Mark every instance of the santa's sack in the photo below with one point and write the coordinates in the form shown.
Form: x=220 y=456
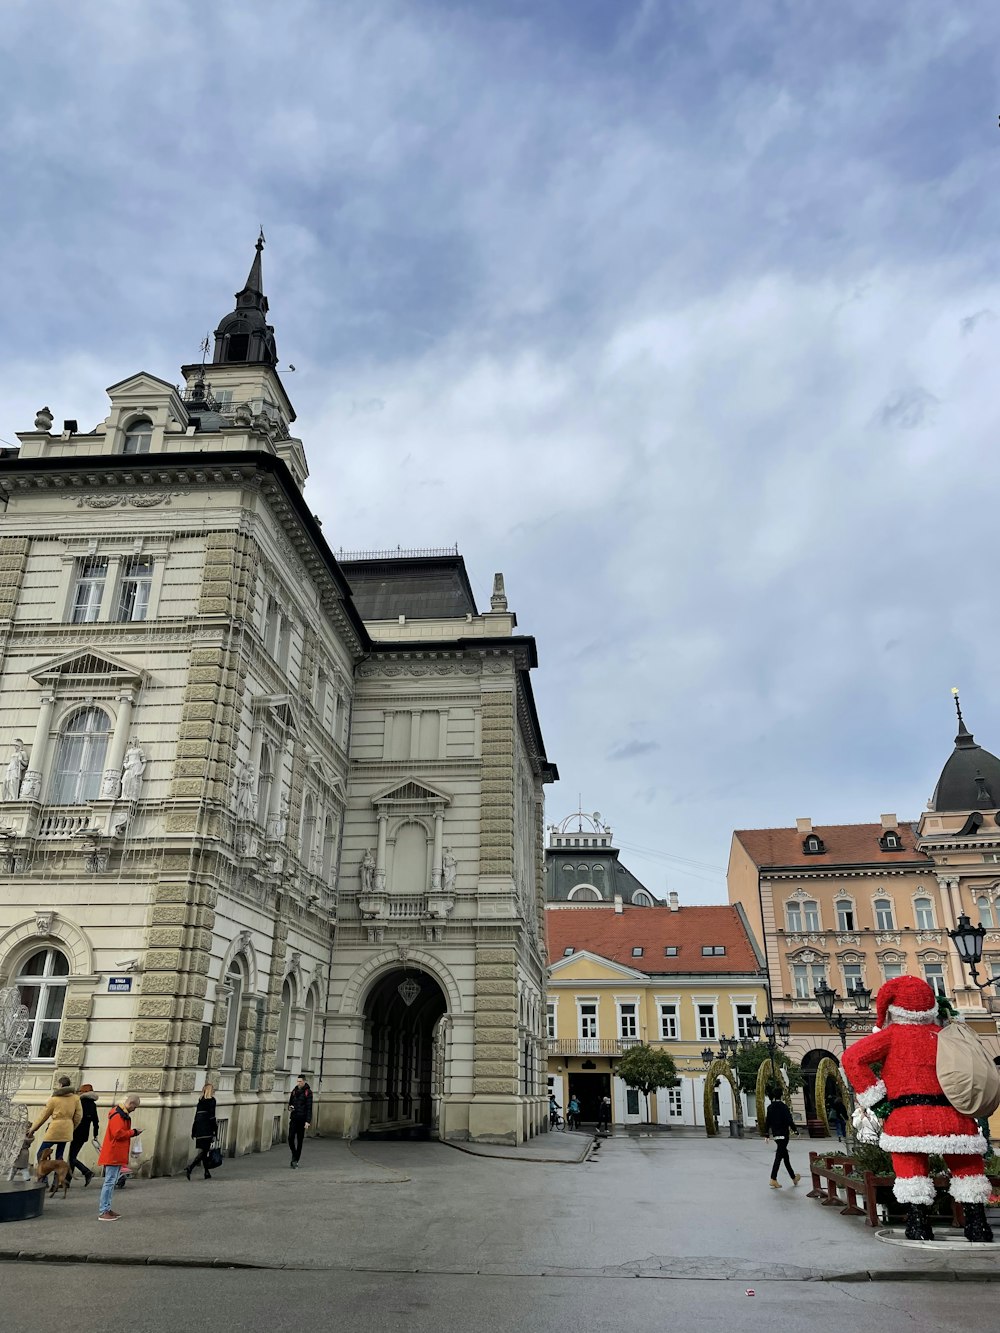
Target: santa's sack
x=968 y=1077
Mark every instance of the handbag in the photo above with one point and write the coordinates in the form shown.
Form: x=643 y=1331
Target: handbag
x=214 y=1157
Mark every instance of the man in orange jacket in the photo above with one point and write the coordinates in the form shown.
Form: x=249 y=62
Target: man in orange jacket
x=114 y=1153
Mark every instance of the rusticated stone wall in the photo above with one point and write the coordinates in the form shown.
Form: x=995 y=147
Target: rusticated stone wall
x=496 y=843
x=495 y=1024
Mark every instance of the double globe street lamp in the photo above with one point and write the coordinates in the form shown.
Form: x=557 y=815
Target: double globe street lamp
x=828 y=999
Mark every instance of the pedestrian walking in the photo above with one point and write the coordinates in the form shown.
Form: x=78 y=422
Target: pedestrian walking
x=573 y=1112
x=604 y=1113
x=118 y=1137
x=779 y=1125
x=63 y=1113
x=300 y=1113
x=88 y=1128
x=838 y=1118
x=203 y=1129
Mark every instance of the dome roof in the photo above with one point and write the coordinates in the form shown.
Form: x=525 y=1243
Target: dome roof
x=970 y=780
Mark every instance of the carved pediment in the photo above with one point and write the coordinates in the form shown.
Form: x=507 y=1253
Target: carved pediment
x=88 y=664
x=279 y=708
x=411 y=792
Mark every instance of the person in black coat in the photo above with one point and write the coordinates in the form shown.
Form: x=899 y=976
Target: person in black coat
x=779 y=1125
x=88 y=1128
x=300 y=1114
x=203 y=1129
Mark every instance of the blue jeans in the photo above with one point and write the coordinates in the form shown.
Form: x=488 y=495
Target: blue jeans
x=111 y=1174
x=60 y=1149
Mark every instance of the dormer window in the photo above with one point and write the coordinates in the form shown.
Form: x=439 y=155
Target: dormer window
x=138 y=436
x=713 y=951
x=567 y=951
x=670 y=951
x=813 y=846
x=890 y=842
x=637 y=951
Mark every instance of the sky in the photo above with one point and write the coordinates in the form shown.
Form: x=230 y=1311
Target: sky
x=681 y=313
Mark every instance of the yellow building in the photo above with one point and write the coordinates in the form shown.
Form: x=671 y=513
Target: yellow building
x=678 y=978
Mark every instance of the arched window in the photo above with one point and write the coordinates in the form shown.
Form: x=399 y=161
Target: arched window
x=264 y=784
x=236 y=985
x=793 y=915
x=924 y=910
x=138 y=436
x=985 y=911
x=79 y=765
x=308 y=1030
x=883 y=914
x=810 y=912
x=845 y=914
x=308 y=829
x=284 y=1020
x=641 y=899
x=584 y=891
x=329 y=847
x=41 y=984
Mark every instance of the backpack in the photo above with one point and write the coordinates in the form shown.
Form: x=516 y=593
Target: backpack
x=968 y=1077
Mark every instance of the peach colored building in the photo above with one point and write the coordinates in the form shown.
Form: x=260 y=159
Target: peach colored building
x=857 y=904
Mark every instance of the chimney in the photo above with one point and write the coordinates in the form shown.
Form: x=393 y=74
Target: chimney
x=804 y=825
x=673 y=900
x=890 y=821
x=618 y=903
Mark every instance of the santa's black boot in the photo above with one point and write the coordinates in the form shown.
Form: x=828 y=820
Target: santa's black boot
x=918 y=1226
x=976 y=1225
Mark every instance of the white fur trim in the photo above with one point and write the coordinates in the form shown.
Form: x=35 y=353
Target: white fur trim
x=970 y=1189
x=914 y=1189
x=872 y=1096
x=900 y=1015
x=959 y=1144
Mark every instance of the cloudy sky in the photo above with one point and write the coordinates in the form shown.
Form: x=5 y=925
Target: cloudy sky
x=682 y=313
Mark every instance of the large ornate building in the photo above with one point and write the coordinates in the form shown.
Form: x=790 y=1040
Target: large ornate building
x=861 y=903
x=263 y=812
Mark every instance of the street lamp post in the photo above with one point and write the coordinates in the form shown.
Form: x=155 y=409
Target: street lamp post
x=968 y=940
x=827 y=998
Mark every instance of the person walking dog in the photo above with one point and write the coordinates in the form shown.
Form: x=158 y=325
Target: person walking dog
x=300 y=1112
x=203 y=1129
x=63 y=1113
x=88 y=1128
x=113 y=1157
x=779 y=1125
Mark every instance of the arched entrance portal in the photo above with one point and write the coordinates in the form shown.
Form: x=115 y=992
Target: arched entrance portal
x=810 y=1063
x=403 y=1056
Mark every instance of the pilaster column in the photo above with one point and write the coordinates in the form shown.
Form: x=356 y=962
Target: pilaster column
x=437 y=864
x=415 y=734
x=951 y=903
x=31 y=787
x=390 y=718
x=111 y=787
x=383 y=831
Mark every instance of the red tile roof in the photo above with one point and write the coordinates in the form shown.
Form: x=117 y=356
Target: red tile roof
x=846 y=844
x=613 y=935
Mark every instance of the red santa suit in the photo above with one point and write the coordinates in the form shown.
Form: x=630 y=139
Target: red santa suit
x=921 y=1120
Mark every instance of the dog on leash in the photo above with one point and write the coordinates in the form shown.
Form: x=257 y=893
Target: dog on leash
x=47 y=1165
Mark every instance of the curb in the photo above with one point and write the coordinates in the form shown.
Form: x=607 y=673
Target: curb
x=521 y=1157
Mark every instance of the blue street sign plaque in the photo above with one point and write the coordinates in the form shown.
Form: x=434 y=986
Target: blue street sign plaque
x=120 y=984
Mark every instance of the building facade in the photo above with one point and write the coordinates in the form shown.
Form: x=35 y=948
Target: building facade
x=862 y=903
x=256 y=822
x=679 y=978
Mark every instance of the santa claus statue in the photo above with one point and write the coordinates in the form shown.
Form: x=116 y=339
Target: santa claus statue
x=920 y=1119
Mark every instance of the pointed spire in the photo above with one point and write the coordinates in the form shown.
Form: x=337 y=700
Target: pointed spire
x=255 y=278
x=964 y=737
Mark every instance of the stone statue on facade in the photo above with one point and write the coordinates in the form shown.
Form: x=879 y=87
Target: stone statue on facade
x=15 y=772
x=246 y=797
x=367 y=871
x=132 y=771
x=449 y=871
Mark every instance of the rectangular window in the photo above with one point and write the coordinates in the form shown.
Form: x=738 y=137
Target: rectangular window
x=845 y=916
x=675 y=1104
x=588 y=1020
x=794 y=917
x=811 y=913
x=628 y=1021
x=892 y=970
x=88 y=591
x=550 y=1020
x=924 y=913
x=668 y=1022
x=713 y=951
x=203 y=1043
x=934 y=976
x=631 y=1101
x=706 y=1022
x=134 y=589
x=637 y=951
x=805 y=979
x=883 y=914
x=744 y=1013
x=670 y=951
x=852 y=977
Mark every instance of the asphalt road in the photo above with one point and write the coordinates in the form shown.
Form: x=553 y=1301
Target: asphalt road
x=41 y=1298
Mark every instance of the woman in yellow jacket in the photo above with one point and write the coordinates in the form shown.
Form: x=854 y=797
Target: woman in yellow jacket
x=63 y=1112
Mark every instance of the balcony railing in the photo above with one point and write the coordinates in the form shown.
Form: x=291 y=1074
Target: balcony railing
x=591 y=1045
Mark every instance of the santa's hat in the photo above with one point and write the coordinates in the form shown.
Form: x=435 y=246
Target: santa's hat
x=906 y=1000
